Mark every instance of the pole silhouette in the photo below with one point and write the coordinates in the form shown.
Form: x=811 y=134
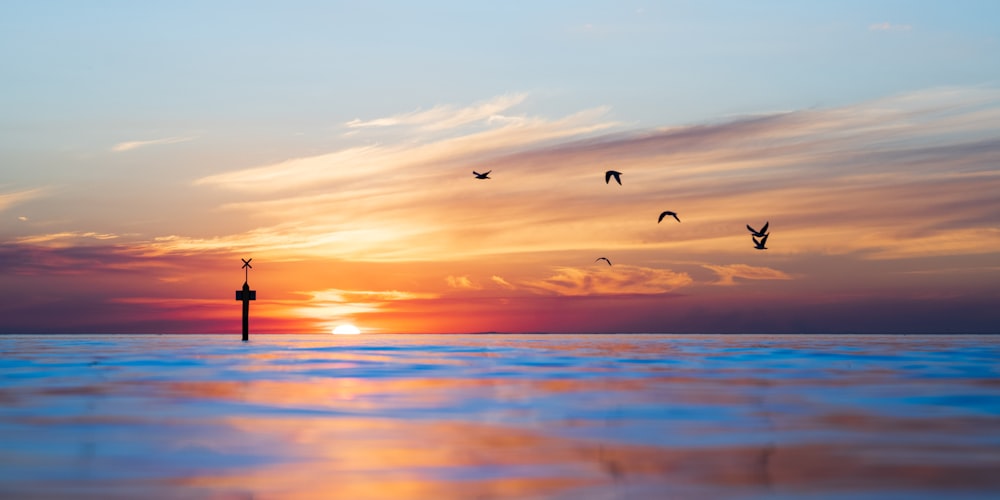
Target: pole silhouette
x=246 y=295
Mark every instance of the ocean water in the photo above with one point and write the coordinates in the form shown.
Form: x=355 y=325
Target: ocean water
x=500 y=416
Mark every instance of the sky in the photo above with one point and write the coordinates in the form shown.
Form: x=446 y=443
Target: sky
x=146 y=147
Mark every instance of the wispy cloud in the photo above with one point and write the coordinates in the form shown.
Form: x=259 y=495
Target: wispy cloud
x=945 y=242
x=461 y=282
x=130 y=145
x=445 y=116
x=620 y=280
x=728 y=273
x=887 y=26
x=46 y=256
x=371 y=169
x=10 y=199
x=502 y=282
x=69 y=238
x=378 y=170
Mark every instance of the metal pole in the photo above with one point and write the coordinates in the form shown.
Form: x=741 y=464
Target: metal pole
x=246 y=295
x=246 y=312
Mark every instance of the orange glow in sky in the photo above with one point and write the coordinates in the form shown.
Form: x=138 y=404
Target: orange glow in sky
x=128 y=209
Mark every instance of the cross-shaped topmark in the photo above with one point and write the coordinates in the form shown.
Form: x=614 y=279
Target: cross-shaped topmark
x=247 y=267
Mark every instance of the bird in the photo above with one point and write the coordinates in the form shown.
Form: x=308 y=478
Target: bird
x=613 y=173
x=759 y=245
x=762 y=232
x=668 y=212
x=485 y=175
x=605 y=259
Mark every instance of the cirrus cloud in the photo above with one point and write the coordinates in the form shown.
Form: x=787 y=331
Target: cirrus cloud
x=728 y=273
x=443 y=117
x=8 y=200
x=462 y=282
x=130 y=145
x=619 y=280
x=502 y=282
x=887 y=26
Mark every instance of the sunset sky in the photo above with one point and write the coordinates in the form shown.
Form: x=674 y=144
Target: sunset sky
x=146 y=147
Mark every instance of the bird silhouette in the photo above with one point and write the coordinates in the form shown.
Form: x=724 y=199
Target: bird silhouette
x=605 y=259
x=762 y=232
x=759 y=245
x=613 y=173
x=483 y=175
x=666 y=213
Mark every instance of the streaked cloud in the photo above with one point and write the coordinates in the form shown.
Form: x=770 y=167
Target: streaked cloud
x=618 y=280
x=443 y=117
x=728 y=273
x=10 y=199
x=130 y=145
x=461 y=282
x=887 y=26
x=72 y=256
x=502 y=282
x=968 y=241
x=65 y=237
x=371 y=170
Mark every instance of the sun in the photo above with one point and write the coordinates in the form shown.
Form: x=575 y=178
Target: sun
x=346 y=330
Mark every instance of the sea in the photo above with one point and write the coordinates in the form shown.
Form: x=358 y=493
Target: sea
x=495 y=416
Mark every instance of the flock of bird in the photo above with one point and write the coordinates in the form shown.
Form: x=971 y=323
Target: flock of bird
x=762 y=234
x=617 y=176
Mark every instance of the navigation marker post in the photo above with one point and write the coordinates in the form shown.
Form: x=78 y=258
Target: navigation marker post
x=246 y=295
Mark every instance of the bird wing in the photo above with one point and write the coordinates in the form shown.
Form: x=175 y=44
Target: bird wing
x=664 y=214
x=764 y=229
x=755 y=242
x=607 y=177
x=752 y=230
x=676 y=217
x=763 y=241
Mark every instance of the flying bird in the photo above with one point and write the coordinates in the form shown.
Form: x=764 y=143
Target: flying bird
x=759 y=245
x=668 y=212
x=482 y=176
x=613 y=173
x=762 y=232
x=605 y=259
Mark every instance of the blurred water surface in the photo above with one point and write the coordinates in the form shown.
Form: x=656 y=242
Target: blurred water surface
x=500 y=416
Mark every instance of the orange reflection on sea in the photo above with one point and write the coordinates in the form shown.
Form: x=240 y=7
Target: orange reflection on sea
x=392 y=458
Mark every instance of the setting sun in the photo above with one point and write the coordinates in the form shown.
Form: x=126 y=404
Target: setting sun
x=346 y=330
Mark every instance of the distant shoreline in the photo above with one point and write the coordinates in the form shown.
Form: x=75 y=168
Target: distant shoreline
x=319 y=334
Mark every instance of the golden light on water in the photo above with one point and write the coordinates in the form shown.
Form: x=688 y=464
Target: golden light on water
x=346 y=330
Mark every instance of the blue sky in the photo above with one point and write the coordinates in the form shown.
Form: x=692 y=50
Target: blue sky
x=302 y=66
